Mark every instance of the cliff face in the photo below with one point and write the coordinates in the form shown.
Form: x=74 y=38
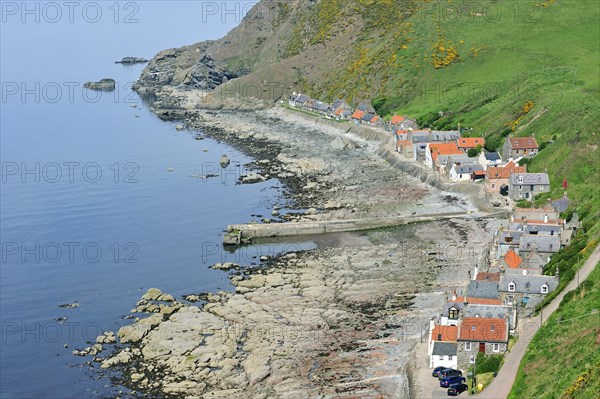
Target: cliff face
x=255 y=43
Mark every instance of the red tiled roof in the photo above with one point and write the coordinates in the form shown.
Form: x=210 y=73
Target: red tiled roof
x=503 y=172
x=358 y=114
x=483 y=329
x=339 y=111
x=488 y=276
x=522 y=143
x=443 y=149
x=444 y=333
x=397 y=119
x=374 y=119
x=479 y=301
x=512 y=259
x=470 y=142
x=479 y=172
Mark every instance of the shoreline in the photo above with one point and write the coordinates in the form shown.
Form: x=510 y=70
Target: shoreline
x=367 y=303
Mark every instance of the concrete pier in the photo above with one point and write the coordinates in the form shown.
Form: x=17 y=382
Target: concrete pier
x=255 y=230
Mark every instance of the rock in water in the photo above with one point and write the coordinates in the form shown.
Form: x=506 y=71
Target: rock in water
x=224 y=161
x=132 y=60
x=106 y=84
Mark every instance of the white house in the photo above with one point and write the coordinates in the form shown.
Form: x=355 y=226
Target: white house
x=465 y=172
x=444 y=354
x=489 y=159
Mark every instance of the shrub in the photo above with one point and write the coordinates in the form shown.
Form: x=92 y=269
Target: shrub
x=488 y=364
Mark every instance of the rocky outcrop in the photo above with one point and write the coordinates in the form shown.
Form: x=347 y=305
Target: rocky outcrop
x=106 y=84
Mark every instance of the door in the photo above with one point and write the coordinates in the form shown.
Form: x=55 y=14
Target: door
x=482 y=347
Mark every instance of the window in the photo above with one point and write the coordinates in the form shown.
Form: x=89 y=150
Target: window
x=510 y=300
x=453 y=313
x=512 y=286
x=448 y=357
x=544 y=289
x=472 y=359
x=473 y=327
x=496 y=347
x=493 y=327
x=467 y=346
x=520 y=179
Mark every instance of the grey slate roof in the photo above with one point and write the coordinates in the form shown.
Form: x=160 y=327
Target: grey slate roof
x=516 y=236
x=457 y=305
x=541 y=243
x=444 y=348
x=561 y=204
x=486 y=311
x=529 y=284
x=492 y=156
x=367 y=117
x=464 y=169
x=301 y=98
x=527 y=228
x=482 y=289
x=445 y=135
x=530 y=178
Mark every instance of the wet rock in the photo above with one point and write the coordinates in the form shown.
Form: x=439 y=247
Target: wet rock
x=108 y=337
x=106 y=84
x=225 y=266
x=69 y=305
x=224 y=161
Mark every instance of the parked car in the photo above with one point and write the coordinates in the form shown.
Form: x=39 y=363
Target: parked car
x=436 y=370
x=457 y=390
x=452 y=381
x=448 y=373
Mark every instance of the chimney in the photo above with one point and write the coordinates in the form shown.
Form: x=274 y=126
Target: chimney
x=512 y=218
x=556 y=273
x=546 y=218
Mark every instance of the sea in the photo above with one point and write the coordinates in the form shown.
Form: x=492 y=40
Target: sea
x=100 y=200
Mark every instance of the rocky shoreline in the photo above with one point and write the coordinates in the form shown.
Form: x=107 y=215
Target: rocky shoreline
x=339 y=321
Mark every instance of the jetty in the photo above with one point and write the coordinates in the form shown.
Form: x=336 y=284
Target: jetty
x=263 y=230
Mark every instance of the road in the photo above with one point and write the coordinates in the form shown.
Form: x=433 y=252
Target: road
x=502 y=384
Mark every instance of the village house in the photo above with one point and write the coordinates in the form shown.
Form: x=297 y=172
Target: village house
x=444 y=354
x=492 y=312
x=497 y=177
x=482 y=290
x=477 y=334
x=298 y=100
x=526 y=290
x=466 y=172
x=540 y=243
x=527 y=185
x=515 y=147
x=433 y=150
x=396 y=120
x=547 y=214
x=466 y=143
x=451 y=312
x=490 y=159
x=357 y=116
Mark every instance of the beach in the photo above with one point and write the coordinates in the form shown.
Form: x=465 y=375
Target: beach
x=338 y=321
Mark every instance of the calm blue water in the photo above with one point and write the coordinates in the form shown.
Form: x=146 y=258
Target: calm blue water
x=97 y=199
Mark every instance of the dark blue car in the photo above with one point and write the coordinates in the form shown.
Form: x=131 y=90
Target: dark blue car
x=452 y=381
x=436 y=370
x=457 y=390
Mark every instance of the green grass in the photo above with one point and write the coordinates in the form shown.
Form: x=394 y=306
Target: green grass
x=561 y=353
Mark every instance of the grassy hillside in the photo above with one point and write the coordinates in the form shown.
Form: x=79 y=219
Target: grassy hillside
x=563 y=360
